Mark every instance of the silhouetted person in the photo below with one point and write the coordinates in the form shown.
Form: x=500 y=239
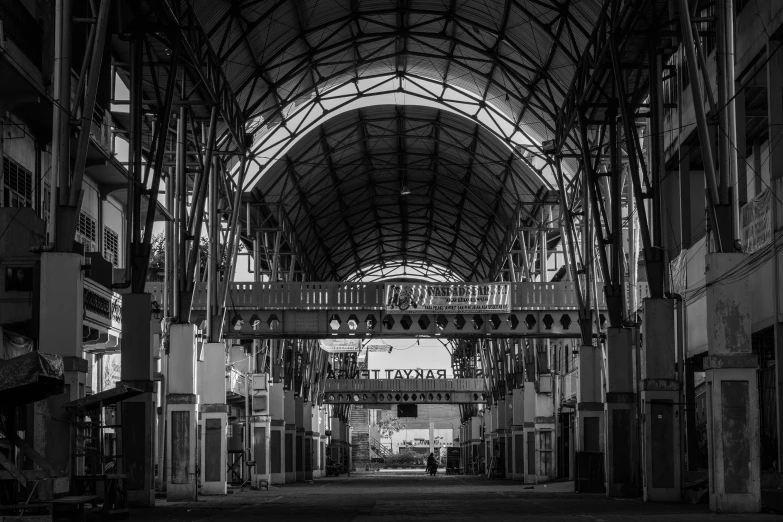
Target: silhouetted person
x=432 y=465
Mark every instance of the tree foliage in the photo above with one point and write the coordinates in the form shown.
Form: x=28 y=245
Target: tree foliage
x=157 y=266
x=388 y=427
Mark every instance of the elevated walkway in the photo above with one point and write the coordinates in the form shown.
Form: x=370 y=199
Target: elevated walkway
x=404 y=391
x=320 y=310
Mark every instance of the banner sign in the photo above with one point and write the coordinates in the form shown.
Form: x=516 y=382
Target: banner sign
x=389 y=374
x=757 y=222
x=678 y=272
x=459 y=298
x=340 y=345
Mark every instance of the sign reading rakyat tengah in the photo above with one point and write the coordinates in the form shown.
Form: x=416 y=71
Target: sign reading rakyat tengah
x=340 y=345
x=462 y=298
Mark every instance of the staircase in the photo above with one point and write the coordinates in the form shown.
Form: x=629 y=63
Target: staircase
x=360 y=437
x=379 y=449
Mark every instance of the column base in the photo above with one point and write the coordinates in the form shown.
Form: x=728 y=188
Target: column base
x=546 y=470
x=308 y=459
x=620 y=460
x=661 y=446
x=290 y=454
x=137 y=443
x=529 y=440
x=300 y=456
x=517 y=449
x=277 y=452
x=181 y=441
x=589 y=438
x=260 y=433
x=733 y=434
x=213 y=449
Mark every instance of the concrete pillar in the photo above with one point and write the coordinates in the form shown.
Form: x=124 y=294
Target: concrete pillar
x=300 y=439
x=309 y=449
x=137 y=415
x=732 y=393
x=529 y=431
x=517 y=448
x=660 y=394
x=260 y=427
x=545 y=462
x=182 y=415
x=289 y=413
x=60 y=333
x=432 y=436
x=317 y=430
x=621 y=462
x=276 y=433
x=347 y=438
x=214 y=420
x=335 y=450
x=589 y=401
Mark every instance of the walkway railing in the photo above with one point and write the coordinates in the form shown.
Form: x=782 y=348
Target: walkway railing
x=364 y=296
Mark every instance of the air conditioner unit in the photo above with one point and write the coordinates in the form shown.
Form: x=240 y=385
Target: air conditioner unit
x=545 y=383
x=260 y=403
x=260 y=396
x=261 y=381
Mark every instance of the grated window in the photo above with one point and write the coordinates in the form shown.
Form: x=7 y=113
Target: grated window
x=18 y=184
x=85 y=232
x=111 y=242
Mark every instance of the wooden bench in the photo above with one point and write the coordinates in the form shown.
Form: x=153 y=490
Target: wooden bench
x=79 y=514
x=26 y=513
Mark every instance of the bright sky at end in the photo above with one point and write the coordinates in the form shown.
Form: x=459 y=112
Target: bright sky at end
x=429 y=354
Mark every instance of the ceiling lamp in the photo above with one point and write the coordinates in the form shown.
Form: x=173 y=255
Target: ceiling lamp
x=405 y=190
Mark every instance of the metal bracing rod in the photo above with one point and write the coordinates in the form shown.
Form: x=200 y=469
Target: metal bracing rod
x=213 y=233
x=85 y=61
x=657 y=164
x=233 y=242
x=615 y=202
x=134 y=167
x=589 y=172
x=651 y=256
x=729 y=156
x=198 y=202
x=181 y=224
x=64 y=132
x=159 y=144
x=698 y=104
x=170 y=247
x=566 y=218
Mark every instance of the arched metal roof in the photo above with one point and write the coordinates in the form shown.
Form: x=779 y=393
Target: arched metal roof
x=340 y=189
x=507 y=64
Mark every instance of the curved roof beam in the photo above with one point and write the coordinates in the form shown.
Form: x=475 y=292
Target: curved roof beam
x=340 y=185
x=506 y=63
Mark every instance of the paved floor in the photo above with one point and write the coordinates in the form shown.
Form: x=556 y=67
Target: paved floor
x=408 y=496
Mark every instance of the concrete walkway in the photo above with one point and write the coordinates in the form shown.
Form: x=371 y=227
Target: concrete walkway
x=413 y=496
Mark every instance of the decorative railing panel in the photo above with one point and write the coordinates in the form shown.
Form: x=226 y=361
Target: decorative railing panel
x=102 y=307
x=363 y=296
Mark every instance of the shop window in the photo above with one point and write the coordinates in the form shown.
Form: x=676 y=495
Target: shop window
x=17 y=184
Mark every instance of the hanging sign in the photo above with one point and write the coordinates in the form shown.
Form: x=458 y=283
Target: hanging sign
x=455 y=298
x=340 y=345
x=757 y=222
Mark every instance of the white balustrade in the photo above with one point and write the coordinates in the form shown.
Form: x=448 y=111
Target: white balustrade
x=365 y=296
